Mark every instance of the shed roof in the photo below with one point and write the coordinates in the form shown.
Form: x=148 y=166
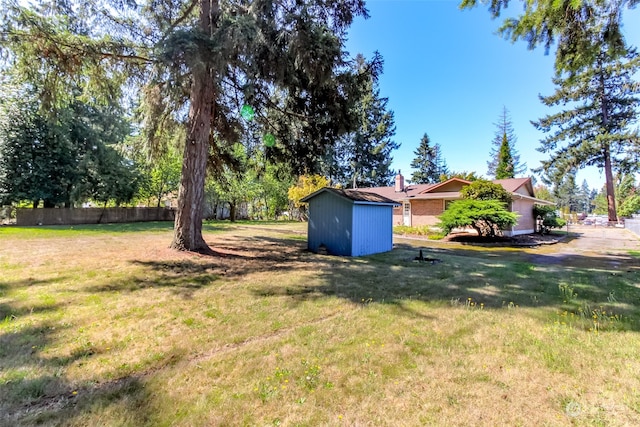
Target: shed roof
x=356 y=196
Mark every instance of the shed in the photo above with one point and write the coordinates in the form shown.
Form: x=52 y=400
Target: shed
x=349 y=222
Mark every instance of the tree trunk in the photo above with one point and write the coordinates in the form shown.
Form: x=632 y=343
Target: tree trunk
x=188 y=224
x=608 y=175
x=606 y=152
x=232 y=211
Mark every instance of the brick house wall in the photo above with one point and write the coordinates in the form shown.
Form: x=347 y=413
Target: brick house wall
x=397 y=215
x=425 y=212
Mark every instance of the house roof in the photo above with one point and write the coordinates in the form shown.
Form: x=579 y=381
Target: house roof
x=512 y=185
x=390 y=192
x=430 y=191
x=357 y=196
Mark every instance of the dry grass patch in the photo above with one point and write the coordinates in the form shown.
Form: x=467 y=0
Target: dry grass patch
x=112 y=328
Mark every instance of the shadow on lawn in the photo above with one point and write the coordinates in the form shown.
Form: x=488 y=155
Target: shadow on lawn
x=495 y=277
x=33 y=388
x=492 y=277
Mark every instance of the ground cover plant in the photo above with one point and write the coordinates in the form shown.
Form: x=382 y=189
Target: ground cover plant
x=428 y=231
x=104 y=325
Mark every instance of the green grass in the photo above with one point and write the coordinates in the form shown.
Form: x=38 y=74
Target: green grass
x=110 y=327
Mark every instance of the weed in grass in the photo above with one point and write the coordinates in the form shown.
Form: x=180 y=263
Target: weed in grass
x=311 y=376
x=471 y=304
x=567 y=292
x=598 y=319
x=511 y=305
x=267 y=391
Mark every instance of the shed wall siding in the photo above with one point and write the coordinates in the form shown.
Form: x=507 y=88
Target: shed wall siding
x=330 y=224
x=372 y=229
x=425 y=212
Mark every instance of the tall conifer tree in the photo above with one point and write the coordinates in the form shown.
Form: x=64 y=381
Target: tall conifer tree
x=595 y=129
x=429 y=163
x=201 y=62
x=504 y=159
x=362 y=158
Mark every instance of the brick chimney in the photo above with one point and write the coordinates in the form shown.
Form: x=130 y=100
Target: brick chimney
x=399 y=182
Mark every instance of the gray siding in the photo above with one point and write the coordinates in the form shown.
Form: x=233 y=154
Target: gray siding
x=372 y=229
x=330 y=224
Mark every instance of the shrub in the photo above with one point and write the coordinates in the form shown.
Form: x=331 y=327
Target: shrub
x=486 y=190
x=487 y=217
x=550 y=218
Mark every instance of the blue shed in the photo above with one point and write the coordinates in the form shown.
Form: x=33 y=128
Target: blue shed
x=349 y=222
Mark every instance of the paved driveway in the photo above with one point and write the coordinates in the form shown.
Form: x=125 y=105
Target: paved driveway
x=591 y=246
x=602 y=239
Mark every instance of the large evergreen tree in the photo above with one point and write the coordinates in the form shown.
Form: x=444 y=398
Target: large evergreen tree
x=429 y=164
x=362 y=158
x=595 y=128
x=201 y=62
x=504 y=159
x=563 y=24
x=61 y=159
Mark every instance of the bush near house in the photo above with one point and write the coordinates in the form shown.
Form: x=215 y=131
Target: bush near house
x=550 y=218
x=487 y=217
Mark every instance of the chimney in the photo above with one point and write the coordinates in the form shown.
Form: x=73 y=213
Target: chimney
x=399 y=182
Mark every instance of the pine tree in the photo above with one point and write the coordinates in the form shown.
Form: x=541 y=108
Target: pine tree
x=200 y=63
x=64 y=159
x=429 y=163
x=563 y=24
x=595 y=130
x=363 y=158
x=584 y=195
x=505 y=160
x=567 y=194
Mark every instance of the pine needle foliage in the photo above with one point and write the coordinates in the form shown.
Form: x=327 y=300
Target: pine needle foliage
x=504 y=159
x=196 y=63
x=595 y=128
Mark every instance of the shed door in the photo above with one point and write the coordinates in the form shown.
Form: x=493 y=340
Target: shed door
x=406 y=214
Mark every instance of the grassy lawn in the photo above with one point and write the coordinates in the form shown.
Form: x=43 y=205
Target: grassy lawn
x=104 y=325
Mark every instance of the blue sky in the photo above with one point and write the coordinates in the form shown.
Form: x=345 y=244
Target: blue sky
x=448 y=74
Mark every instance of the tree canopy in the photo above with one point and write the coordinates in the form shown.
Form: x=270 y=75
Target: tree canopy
x=504 y=159
x=487 y=217
x=198 y=64
x=63 y=157
x=486 y=190
x=429 y=163
x=595 y=129
x=563 y=24
x=362 y=158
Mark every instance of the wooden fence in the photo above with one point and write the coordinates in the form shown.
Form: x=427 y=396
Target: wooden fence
x=27 y=217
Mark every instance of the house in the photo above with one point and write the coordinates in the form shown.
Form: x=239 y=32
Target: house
x=421 y=204
x=341 y=222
